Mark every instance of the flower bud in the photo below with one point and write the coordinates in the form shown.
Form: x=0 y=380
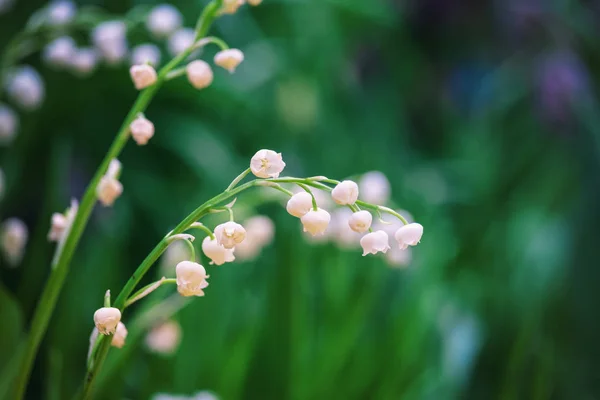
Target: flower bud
x=360 y=221
x=26 y=88
x=339 y=231
x=143 y=76
x=199 y=74
x=216 y=252
x=191 y=278
x=163 y=20
x=145 y=54
x=142 y=130
x=84 y=61
x=110 y=41
x=118 y=339
x=60 y=12
x=374 y=188
x=267 y=164
x=14 y=240
x=9 y=123
x=230 y=234
x=374 y=242
x=345 y=193
x=180 y=41
x=229 y=59
x=108 y=190
x=299 y=204
x=61 y=223
x=60 y=52
x=106 y=320
x=409 y=235
x=164 y=338
x=316 y=222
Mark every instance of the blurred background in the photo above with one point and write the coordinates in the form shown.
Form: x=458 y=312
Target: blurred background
x=484 y=117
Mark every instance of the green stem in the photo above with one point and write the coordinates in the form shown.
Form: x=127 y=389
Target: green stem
x=61 y=265
x=146 y=290
x=237 y=180
x=202 y=227
x=107 y=299
x=314 y=201
x=211 y=39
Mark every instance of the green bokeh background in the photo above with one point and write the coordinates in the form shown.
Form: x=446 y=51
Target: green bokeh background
x=450 y=99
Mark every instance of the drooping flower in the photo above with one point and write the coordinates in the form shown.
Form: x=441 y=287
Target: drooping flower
x=339 y=231
x=118 y=339
x=259 y=233
x=143 y=76
x=14 y=240
x=315 y=222
x=163 y=20
x=60 y=12
x=299 y=204
x=109 y=188
x=267 y=164
x=61 y=223
x=146 y=53
x=60 y=52
x=345 y=193
x=216 y=252
x=106 y=320
x=199 y=74
x=360 y=221
x=229 y=59
x=409 y=235
x=180 y=41
x=375 y=242
x=141 y=130
x=191 y=278
x=230 y=234
x=164 y=338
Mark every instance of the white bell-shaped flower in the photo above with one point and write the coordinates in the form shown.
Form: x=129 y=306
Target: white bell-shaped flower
x=108 y=190
x=118 y=339
x=9 y=124
x=216 y=252
x=163 y=20
x=259 y=233
x=345 y=193
x=191 y=278
x=267 y=164
x=164 y=338
x=60 y=52
x=180 y=41
x=84 y=61
x=141 y=130
x=25 y=87
x=375 y=242
x=60 y=12
x=146 y=53
x=106 y=320
x=360 y=221
x=14 y=239
x=299 y=204
x=374 y=188
x=229 y=59
x=315 y=222
x=409 y=235
x=230 y=234
x=110 y=41
x=143 y=76
x=199 y=74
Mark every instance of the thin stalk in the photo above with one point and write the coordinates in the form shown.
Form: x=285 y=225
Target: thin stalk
x=61 y=265
x=146 y=290
x=237 y=180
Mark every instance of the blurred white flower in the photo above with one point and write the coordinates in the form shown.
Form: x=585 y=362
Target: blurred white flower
x=163 y=20
x=267 y=164
x=345 y=193
x=316 y=222
x=25 y=87
x=216 y=252
x=199 y=74
x=229 y=59
x=120 y=335
x=143 y=76
x=61 y=223
x=60 y=52
x=374 y=188
x=142 y=130
x=5 y=6
x=164 y=338
x=375 y=242
x=360 y=221
x=106 y=320
x=299 y=204
x=110 y=41
x=9 y=124
x=230 y=234
x=14 y=240
x=176 y=252
x=396 y=257
x=109 y=188
x=146 y=53
x=409 y=235
x=191 y=278
x=340 y=231
x=60 y=12
x=259 y=233
x=84 y=61
x=180 y=41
